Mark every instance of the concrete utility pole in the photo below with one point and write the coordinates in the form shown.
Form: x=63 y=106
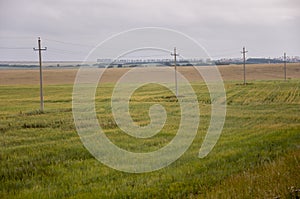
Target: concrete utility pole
x=175 y=55
x=284 y=60
x=41 y=72
x=244 y=61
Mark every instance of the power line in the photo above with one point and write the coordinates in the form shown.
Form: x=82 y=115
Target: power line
x=223 y=53
x=14 y=48
x=66 y=51
x=16 y=37
x=140 y=56
x=69 y=43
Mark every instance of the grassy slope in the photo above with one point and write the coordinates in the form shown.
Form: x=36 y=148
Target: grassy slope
x=42 y=156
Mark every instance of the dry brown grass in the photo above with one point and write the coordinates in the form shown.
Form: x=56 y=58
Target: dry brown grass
x=67 y=76
x=283 y=173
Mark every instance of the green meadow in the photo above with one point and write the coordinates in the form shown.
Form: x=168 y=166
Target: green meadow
x=257 y=155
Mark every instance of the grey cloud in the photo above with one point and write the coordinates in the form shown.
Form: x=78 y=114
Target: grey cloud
x=219 y=24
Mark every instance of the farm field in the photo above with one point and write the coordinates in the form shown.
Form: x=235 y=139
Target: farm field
x=257 y=155
x=228 y=72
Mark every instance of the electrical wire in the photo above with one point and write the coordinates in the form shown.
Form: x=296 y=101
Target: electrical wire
x=66 y=51
x=68 y=43
x=15 y=48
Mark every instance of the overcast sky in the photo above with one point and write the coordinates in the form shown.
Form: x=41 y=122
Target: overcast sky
x=71 y=28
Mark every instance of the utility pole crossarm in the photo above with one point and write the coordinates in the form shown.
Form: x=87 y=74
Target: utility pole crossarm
x=41 y=72
x=36 y=49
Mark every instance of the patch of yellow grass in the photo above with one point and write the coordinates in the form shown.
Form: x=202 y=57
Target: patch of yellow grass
x=256 y=183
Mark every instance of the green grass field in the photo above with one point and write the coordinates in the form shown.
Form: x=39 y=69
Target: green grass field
x=257 y=155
